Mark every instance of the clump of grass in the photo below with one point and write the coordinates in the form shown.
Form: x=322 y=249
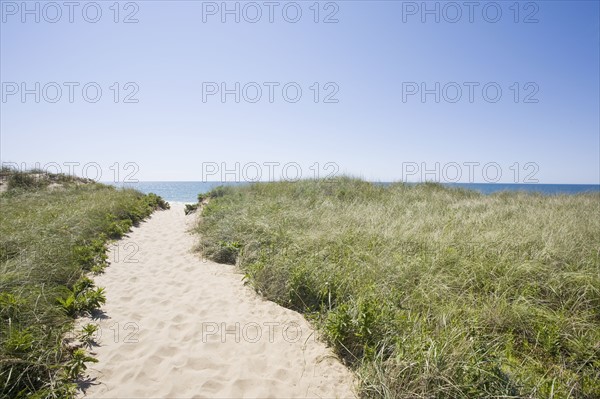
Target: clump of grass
x=21 y=180
x=156 y=202
x=83 y=298
x=87 y=335
x=77 y=363
x=427 y=291
x=49 y=239
x=37 y=179
x=190 y=208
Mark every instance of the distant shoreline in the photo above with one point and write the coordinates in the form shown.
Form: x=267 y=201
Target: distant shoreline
x=187 y=191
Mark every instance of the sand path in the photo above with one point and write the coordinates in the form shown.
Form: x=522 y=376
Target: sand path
x=177 y=326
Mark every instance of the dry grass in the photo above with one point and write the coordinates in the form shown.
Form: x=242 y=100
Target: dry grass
x=49 y=238
x=428 y=292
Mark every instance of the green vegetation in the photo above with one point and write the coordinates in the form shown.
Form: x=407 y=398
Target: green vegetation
x=87 y=335
x=54 y=229
x=77 y=364
x=426 y=291
x=36 y=179
x=191 y=208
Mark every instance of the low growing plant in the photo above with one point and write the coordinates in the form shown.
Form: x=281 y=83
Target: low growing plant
x=87 y=334
x=75 y=367
x=190 y=208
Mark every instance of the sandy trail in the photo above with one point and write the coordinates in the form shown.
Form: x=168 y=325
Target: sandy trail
x=179 y=327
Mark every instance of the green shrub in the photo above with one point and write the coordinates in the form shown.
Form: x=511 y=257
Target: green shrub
x=87 y=334
x=118 y=229
x=82 y=299
x=77 y=364
x=91 y=253
x=190 y=208
x=222 y=251
x=70 y=305
x=22 y=180
x=156 y=202
x=18 y=341
x=218 y=192
x=9 y=305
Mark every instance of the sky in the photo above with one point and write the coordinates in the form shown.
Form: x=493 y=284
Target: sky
x=240 y=91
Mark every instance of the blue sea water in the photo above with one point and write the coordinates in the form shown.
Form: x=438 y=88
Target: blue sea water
x=187 y=191
x=490 y=188
x=178 y=191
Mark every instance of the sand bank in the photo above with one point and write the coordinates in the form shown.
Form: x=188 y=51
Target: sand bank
x=177 y=326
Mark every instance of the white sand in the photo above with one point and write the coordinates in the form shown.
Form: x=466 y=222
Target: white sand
x=171 y=310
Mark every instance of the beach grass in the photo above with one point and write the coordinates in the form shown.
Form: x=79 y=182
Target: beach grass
x=53 y=233
x=427 y=291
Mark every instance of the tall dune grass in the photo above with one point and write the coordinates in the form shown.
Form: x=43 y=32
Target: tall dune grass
x=426 y=291
x=49 y=238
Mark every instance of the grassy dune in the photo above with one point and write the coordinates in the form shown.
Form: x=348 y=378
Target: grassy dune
x=427 y=292
x=53 y=230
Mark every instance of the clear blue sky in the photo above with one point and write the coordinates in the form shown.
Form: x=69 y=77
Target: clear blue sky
x=372 y=54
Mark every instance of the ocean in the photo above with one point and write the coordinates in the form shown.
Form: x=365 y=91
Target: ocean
x=187 y=191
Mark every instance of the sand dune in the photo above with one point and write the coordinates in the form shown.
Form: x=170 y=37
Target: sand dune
x=178 y=326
